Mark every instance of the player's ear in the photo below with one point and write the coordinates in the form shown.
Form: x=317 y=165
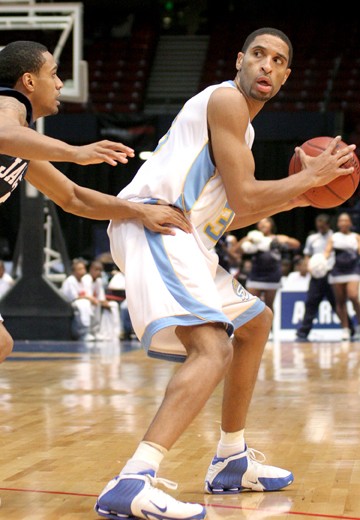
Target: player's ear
x=287 y=74
x=239 y=60
x=27 y=81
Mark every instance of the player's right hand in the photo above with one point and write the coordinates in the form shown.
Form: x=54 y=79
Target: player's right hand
x=103 y=151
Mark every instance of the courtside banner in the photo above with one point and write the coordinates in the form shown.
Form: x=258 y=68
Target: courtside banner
x=289 y=309
x=293 y=309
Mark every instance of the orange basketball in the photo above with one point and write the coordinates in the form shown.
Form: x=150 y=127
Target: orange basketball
x=337 y=191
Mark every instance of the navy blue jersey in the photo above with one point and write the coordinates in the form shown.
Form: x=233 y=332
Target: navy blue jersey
x=13 y=169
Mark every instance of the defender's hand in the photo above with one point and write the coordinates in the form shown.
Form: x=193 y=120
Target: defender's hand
x=163 y=219
x=103 y=151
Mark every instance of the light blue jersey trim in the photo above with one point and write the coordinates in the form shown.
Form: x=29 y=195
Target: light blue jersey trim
x=248 y=315
x=174 y=284
x=167 y=357
x=198 y=176
x=170 y=321
x=186 y=320
x=199 y=312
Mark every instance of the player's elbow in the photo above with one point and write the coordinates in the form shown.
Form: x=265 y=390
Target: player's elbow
x=243 y=206
x=66 y=204
x=69 y=201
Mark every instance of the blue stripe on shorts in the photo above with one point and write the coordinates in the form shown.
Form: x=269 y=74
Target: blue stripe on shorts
x=197 y=309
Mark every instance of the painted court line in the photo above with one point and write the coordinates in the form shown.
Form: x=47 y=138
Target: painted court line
x=274 y=512
x=218 y=506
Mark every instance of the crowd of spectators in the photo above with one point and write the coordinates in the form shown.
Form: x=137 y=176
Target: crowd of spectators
x=326 y=266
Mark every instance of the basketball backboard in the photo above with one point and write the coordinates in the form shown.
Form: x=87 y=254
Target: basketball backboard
x=56 y=25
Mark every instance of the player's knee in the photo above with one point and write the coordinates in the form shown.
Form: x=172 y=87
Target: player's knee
x=267 y=317
x=208 y=342
x=261 y=324
x=6 y=344
x=264 y=320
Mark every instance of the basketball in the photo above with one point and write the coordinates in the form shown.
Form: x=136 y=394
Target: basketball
x=337 y=191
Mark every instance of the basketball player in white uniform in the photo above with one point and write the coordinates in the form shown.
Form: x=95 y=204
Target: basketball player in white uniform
x=182 y=305
x=29 y=89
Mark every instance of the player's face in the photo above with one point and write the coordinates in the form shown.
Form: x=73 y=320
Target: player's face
x=46 y=88
x=263 y=69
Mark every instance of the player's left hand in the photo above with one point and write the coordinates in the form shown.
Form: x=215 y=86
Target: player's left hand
x=103 y=151
x=162 y=219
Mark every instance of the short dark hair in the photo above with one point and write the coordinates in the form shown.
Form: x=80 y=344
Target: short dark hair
x=273 y=32
x=20 y=57
x=323 y=217
x=271 y=222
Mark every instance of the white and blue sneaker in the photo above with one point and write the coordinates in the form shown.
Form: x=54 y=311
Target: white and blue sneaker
x=244 y=472
x=131 y=496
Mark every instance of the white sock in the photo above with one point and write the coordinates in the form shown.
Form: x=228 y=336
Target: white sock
x=230 y=443
x=147 y=456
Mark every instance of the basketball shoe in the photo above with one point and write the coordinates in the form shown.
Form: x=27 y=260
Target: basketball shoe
x=132 y=496
x=244 y=472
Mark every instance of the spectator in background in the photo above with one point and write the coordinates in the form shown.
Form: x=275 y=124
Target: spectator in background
x=6 y=281
x=244 y=271
x=74 y=290
x=116 y=288
x=105 y=322
x=287 y=266
x=229 y=256
x=345 y=274
x=319 y=287
x=267 y=250
x=299 y=279
x=127 y=332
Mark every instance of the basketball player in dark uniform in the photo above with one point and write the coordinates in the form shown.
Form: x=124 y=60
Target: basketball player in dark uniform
x=30 y=88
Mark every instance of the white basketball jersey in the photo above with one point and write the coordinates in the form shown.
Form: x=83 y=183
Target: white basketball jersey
x=181 y=172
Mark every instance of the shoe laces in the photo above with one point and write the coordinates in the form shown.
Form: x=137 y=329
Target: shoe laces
x=154 y=481
x=256 y=455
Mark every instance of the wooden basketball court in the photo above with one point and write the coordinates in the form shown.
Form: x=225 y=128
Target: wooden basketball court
x=71 y=415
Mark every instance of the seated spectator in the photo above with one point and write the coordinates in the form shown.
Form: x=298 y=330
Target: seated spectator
x=6 y=281
x=299 y=279
x=74 y=290
x=229 y=256
x=116 y=287
x=105 y=322
x=116 y=290
x=127 y=332
x=244 y=271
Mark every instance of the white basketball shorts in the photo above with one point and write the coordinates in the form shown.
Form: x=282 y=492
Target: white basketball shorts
x=173 y=280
